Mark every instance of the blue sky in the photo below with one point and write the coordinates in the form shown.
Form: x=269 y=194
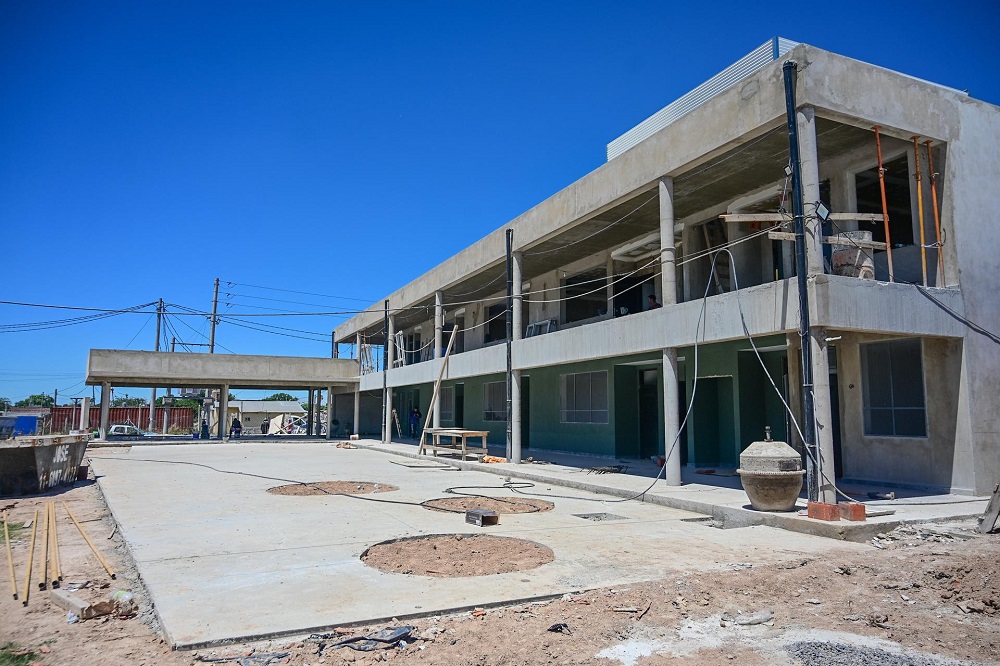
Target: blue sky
x=342 y=149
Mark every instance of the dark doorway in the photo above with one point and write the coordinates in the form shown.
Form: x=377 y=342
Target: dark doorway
x=714 y=429
x=459 y=405
x=682 y=405
x=897 y=195
x=649 y=413
x=525 y=413
x=838 y=458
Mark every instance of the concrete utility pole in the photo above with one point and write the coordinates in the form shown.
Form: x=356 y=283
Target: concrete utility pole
x=510 y=339
x=808 y=416
x=156 y=347
x=215 y=309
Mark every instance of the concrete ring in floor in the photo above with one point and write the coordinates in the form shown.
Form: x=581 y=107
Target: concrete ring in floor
x=457 y=555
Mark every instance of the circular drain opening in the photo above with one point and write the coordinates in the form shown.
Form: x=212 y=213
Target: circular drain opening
x=496 y=504
x=456 y=555
x=332 y=488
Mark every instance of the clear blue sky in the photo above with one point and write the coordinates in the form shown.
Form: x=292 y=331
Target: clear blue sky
x=342 y=149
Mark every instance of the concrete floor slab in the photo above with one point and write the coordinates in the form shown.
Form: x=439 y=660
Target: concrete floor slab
x=224 y=560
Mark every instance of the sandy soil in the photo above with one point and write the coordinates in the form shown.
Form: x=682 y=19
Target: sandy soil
x=333 y=488
x=495 y=504
x=923 y=592
x=450 y=555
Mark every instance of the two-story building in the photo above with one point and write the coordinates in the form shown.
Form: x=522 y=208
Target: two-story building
x=906 y=376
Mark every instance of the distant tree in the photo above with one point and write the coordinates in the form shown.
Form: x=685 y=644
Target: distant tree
x=5 y=404
x=281 y=396
x=37 y=400
x=181 y=402
x=126 y=401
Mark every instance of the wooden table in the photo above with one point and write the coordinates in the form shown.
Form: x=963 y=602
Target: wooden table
x=458 y=440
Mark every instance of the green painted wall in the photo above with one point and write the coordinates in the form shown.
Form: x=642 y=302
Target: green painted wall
x=732 y=407
x=626 y=384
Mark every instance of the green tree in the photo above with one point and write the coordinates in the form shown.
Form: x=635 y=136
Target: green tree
x=5 y=404
x=37 y=400
x=126 y=401
x=281 y=396
x=181 y=402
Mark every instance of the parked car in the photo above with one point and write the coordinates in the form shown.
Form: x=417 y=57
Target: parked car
x=124 y=431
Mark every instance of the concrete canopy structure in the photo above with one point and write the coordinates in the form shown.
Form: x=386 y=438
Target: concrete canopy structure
x=905 y=390
x=114 y=367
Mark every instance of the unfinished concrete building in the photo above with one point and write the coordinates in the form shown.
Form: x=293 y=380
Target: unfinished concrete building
x=905 y=386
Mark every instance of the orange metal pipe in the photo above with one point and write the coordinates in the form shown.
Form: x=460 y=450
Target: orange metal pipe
x=937 y=216
x=920 y=209
x=885 y=205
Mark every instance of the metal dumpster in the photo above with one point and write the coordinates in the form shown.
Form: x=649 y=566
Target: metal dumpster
x=38 y=463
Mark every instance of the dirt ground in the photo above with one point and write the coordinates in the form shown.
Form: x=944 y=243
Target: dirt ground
x=457 y=555
x=923 y=590
x=332 y=488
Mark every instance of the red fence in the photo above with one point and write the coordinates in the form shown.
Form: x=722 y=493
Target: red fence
x=68 y=418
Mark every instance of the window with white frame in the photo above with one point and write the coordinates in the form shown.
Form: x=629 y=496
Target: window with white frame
x=495 y=401
x=893 y=389
x=584 y=397
x=447 y=402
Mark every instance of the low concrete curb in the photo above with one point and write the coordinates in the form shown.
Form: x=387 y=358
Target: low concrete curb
x=730 y=517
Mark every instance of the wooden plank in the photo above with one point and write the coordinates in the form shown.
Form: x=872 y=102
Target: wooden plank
x=831 y=240
x=989 y=519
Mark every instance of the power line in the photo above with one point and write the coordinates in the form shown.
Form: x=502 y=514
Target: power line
x=303 y=293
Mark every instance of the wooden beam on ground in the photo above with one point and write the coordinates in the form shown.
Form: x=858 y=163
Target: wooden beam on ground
x=989 y=519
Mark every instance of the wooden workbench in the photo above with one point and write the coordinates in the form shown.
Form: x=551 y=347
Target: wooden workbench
x=457 y=440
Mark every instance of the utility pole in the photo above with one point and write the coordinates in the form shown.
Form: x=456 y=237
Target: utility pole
x=215 y=309
x=510 y=338
x=156 y=347
x=808 y=417
x=52 y=412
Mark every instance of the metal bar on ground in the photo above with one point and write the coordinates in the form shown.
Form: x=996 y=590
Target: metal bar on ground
x=46 y=534
x=885 y=205
x=920 y=208
x=10 y=555
x=31 y=556
x=89 y=542
x=56 y=561
x=937 y=216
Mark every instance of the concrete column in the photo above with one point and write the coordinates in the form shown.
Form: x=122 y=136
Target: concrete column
x=671 y=420
x=390 y=361
x=438 y=323
x=166 y=413
x=105 y=409
x=387 y=417
x=517 y=262
x=85 y=415
x=336 y=350
x=515 y=416
x=438 y=340
x=809 y=161
x=357 y=350
x=329 y=412
x=517 y=274
x=609 y=289
x=357 y=410
x=668 y=267
x=152 y=409
x=688 y=267
x=823 y=413
x=224 y=413
x=391 y=344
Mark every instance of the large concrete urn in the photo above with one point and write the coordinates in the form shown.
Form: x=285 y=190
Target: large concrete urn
x=771 y=473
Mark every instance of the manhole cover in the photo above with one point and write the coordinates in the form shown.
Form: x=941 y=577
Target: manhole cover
x=333 y=488
x=457 y=555
x=599 y=517
x=496 y=504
